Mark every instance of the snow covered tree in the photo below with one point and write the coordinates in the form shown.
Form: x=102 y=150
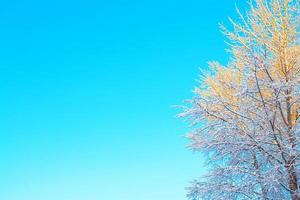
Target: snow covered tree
x=245 y=115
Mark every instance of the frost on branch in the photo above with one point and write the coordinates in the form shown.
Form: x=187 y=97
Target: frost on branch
x=248 y=110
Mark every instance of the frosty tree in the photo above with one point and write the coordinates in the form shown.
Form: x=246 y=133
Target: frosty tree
x=245 y=115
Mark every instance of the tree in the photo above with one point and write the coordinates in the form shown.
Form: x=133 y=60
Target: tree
x=245 y=115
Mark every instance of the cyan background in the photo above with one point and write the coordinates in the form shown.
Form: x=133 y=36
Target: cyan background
x=86 y=95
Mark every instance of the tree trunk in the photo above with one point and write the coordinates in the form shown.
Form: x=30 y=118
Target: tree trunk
x=293 y=179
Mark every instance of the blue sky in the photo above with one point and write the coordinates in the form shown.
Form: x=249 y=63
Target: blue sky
x=86 y=95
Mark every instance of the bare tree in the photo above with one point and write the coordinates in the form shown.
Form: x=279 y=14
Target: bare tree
x=245 y=114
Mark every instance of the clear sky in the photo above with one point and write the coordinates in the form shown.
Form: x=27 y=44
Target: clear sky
x=86 y=94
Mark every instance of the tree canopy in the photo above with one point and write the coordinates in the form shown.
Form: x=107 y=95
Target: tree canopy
x=245 y=114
